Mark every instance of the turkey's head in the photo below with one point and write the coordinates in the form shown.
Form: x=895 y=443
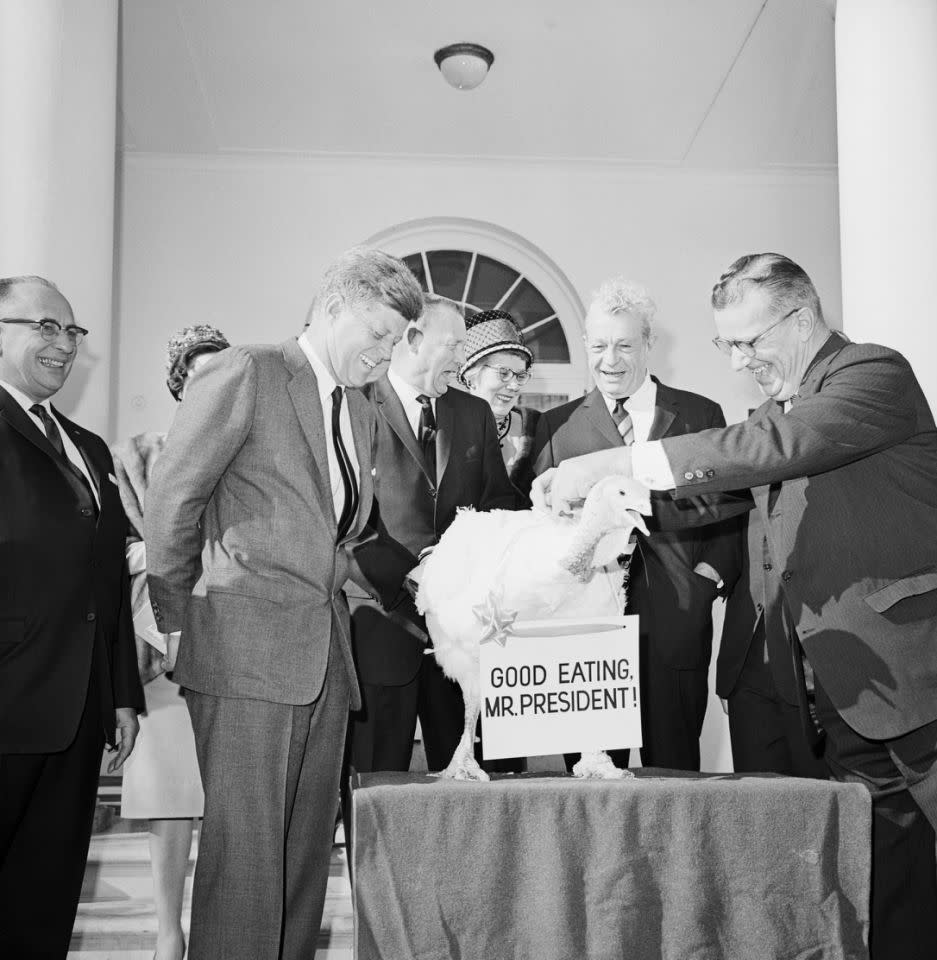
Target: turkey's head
x=613 y=509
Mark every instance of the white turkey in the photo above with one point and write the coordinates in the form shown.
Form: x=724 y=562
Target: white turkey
x=539 y=567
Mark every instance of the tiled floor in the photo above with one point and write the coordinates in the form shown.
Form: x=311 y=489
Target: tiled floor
x=116 y=918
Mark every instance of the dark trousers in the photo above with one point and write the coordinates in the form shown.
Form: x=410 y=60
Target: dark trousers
x=901 y=775
x=767 y=732
x=673 y=706
x=271 y=778
x=46 y=813
x=382 y=731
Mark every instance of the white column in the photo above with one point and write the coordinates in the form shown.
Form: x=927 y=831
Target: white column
x=58 y=103
x=886 y=97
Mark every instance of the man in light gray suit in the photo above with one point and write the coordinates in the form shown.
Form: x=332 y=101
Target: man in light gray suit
x=263 y=487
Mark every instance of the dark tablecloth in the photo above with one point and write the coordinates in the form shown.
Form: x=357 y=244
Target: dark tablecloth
x=662 y=867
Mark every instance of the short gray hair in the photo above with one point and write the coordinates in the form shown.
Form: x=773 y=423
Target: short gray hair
x=619 y=295
x=9 y=284
x=785 y=282
x=365 y=275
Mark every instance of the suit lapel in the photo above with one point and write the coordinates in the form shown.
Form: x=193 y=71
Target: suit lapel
x=391 y=409
x=598 y=417
x=819 y=364
x=665 y=412
x=445 y=422
x=20 y=420
x=303 y=389
x=76 y=435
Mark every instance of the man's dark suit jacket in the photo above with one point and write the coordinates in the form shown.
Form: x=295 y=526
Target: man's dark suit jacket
x=64 y=589
x=414 y=513
x=755 y=595
x=674 y=603
x=845 y=484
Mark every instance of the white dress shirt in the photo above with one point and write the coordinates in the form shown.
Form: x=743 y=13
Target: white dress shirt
x=71 y=451
x=408 y=397
x=640 y=406
x=327 y=384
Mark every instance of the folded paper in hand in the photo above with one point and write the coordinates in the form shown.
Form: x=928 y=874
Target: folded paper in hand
x=144 y=626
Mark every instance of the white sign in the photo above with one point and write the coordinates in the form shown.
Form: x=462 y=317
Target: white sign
x=561 y=686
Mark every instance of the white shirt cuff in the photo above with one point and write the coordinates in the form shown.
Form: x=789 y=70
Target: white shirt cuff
x=650 y=465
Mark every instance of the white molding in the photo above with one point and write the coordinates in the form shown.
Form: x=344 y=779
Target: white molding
x=490 y=239
x=258 y=159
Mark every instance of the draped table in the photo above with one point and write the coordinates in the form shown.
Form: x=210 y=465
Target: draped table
x=663 y=867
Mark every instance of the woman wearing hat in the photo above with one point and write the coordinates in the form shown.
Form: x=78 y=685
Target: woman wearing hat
x=162 y=784
x=497 y=364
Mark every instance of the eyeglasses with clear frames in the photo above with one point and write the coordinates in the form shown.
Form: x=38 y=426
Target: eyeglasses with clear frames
x=506 y=374
x=51 y=329
x=747 y=347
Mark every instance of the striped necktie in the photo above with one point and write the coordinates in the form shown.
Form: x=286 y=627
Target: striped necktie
x=349 y=482
x=623 y=421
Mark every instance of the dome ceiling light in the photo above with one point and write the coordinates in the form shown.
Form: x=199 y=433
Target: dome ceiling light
x=464 y=65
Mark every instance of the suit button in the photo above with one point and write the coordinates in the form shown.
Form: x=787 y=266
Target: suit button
x=86 y=511
x=786 y=575
x=766 y=566
x=688 y=475
x=90 y=617
x=759 y=607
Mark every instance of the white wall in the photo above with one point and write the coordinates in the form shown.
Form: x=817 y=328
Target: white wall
x=240 y=243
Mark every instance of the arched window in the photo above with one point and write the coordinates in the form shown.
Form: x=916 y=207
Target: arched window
x=482 y=267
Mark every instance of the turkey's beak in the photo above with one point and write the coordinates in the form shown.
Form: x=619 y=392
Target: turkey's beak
x=638 y=520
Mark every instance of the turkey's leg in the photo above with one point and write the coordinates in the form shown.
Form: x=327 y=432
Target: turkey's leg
x=463 y=765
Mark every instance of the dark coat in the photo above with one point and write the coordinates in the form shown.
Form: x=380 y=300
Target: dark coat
x=845 y=485
x=64 y=589
x=414 y=513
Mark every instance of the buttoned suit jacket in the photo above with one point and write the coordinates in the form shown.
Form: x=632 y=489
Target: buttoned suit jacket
x=673 y=602
x=64 y=589
x=845 y=484
x=756 y=595
x=241 y=533
x=414 y=512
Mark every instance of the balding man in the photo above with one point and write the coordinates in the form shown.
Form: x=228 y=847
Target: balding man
x=68 y=666
x=436 y=451
x=842 y=460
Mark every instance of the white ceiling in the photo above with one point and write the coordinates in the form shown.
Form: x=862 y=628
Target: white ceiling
x=697 y=83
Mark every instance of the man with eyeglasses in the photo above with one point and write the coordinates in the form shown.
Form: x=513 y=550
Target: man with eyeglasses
x=842 y=461
x=674 y=574
x=437 y=451
x=68 y=666
x=255 y=504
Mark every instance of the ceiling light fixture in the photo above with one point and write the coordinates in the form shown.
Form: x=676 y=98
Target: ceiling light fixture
x=464 y=65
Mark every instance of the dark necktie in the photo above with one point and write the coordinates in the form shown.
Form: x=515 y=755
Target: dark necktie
x=621 y=416
x=426 y=433
x=349 y=482
x=54 y=436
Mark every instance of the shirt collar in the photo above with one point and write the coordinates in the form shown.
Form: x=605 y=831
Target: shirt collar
x=408 y=395
x=643 y=398
x=21 y=397
x=324 y=378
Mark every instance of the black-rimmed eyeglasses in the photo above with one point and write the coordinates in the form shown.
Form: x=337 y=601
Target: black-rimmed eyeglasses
x=747 y=347
x=51 y=329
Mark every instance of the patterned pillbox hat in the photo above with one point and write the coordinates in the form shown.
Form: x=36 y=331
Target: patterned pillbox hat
x=186 y=344
x=490 y=332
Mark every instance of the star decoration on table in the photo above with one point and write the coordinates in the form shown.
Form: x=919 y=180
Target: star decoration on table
x=497 y=621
